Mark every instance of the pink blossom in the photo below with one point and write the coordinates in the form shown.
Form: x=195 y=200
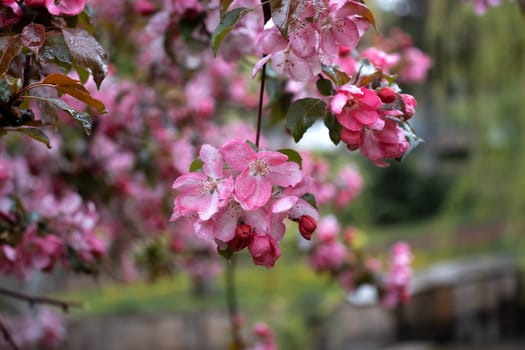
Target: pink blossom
x=328 y=256
x=415 y=65
x=203 y=193
x=65 y=7
x=264 y=250
x=381 y=59
x=350 y=183
x=10 y=13
x=356 y=107
x=258 y=172
x=481 y=6
x=398 y=279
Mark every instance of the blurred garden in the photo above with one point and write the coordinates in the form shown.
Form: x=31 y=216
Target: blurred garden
x=430 y=241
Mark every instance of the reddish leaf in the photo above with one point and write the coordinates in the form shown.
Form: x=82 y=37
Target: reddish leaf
x=74 y=88
x=10 y=47
x=87 y=52
x=283 y=11
x=34 y=36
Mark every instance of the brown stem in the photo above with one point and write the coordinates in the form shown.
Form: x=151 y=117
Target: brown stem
x=32 y=300
x=7 y=336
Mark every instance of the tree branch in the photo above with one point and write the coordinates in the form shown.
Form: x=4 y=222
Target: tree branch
x=7 y=336
x=32 y=300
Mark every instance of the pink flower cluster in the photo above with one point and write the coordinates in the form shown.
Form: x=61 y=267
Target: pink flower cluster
x=264 y=333
x=44 y=330
x=397 y=55
x=481 y=6
x=11 y=10
x=241 y=198
x=397 y=281
x=368 y=118
x=329 y=253
x=314 y=34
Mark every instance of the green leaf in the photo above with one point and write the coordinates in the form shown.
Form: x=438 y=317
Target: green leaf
x=325 y=87
x=56 y=52
x=196 y=165
x=81 y=117
x=10 y=47
x=293 y=155
x=223 y=6
x=334 y=128
x=225 y=253
x=87 y=52
x=83 y=74
x=412 y=138
x=310 y=198
x=35 y=134
x=302 y=114
x=252 y=145
x=228 y=22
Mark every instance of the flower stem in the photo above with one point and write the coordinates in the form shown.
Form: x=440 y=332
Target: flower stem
x=233 y=309
x=260 y=108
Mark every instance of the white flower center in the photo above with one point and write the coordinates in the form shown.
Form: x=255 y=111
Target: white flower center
x=259 y=167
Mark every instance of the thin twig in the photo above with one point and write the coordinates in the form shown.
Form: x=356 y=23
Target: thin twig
x=32 y=300
x=7 y=336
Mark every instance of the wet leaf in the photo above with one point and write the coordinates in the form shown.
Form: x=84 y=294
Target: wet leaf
x=35 y=134
x=228 y=22
x=87 y=52
x=334 y=128
x=223 y=6
x=302 y=114
x=56 y=52
x=10 y=47
x=73 y=87
x=81 y=117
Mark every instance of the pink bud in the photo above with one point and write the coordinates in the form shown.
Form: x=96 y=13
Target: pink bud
x=264 y=249
x=387 y=94
x=307 y=226
x=144 y=7
x=243 y=234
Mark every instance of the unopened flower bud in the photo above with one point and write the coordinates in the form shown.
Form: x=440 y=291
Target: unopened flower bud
x=243 y=234
x=145 y=7
x=387 y=94
x=307 y=226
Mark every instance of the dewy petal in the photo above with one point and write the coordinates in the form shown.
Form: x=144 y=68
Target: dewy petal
x=213 y=161
x=189 y=182
x=245 y=185
x=237 y=154
x=286 y=174
x=370 y=99
x=258 y=219
x=346 y=119
x=208 y=206
x=365 y=116
x=338 y=102
x=226 y=222
x=225 y=189
x=272 y=158
x=346 y=32
x=303 y=40
x=284 y=204
x=260 y=196
x=260 y=64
